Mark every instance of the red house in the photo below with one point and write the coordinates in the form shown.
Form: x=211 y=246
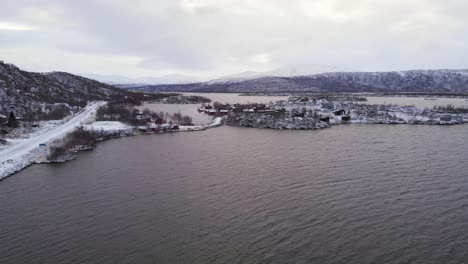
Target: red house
x=159 y=121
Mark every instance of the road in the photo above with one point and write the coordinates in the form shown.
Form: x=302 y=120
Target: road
x=26 y=146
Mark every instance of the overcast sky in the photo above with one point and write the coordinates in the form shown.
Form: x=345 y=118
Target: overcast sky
x=210 y=38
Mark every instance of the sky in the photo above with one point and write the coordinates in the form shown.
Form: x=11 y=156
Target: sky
x=210 y=38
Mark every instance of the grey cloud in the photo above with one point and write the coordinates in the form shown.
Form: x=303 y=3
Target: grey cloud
x=207 y=37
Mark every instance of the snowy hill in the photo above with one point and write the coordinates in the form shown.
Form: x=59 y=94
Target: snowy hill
x=31 y=91
x=429 y=81
x=127 y=81
x=286 y=71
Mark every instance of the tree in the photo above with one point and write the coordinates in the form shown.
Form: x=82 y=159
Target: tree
x=12 y=120
x=146 y=111
x=186 y=121
x=217 y=105
x=177 y=117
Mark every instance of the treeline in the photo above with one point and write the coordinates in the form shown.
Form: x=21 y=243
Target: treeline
x=132 y=116
x=451 y=109
x=137 y=98
x=114 y=111
x=183 y=120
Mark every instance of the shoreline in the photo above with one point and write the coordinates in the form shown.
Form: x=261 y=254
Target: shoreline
x=75 y=153
x=35 y=157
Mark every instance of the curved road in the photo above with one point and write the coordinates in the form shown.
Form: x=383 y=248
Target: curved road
x=20 y=149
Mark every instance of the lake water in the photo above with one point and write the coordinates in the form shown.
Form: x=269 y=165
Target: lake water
x=348 y=194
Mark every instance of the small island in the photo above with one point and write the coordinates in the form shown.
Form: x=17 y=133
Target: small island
x=318 y=112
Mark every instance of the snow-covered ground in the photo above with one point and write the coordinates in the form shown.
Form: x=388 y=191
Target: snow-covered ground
x=108 y=126
x=19 y=135
x=217 y=121
x=24 y=152
x=20 y=153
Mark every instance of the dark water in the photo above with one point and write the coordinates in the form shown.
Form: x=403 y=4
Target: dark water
x=349 y=194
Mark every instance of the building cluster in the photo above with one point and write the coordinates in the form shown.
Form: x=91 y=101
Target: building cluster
x=224 y=109
x=153 y=122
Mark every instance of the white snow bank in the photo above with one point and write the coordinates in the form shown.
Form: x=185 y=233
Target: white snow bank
x=217 y=121
x=108 y=126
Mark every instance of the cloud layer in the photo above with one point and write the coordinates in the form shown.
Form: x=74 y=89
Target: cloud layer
x=209 y=38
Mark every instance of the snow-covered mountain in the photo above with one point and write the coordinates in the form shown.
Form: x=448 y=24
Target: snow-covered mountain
x=238 y=77
x=286 y=71
x=122 y=80
x=430 y=81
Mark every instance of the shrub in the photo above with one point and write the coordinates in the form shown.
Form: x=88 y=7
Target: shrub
x=56 y=114
x=451 y=109
x=79 y=137
x=186 y=121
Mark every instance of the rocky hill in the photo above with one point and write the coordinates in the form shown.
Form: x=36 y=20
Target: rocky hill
x=426 y=81
x=29 y=91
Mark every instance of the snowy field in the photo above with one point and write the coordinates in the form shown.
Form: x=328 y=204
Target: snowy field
x=108 y=126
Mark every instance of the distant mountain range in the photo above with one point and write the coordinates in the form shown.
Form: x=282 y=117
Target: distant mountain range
x=286 y=71
x=427 y=81
x=30 y=91
x=127 y=81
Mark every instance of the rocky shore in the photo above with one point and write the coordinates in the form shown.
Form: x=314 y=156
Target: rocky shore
x=275 y=121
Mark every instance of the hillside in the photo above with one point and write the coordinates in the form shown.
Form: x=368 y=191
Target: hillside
x=427 y=81
x=35 y=92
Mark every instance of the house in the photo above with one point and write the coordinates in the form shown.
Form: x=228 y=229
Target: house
x=223 y=111
x=142 y=129
x=3 y=119
x=296 y=113
x=237 y=110
x=111 y=116
x=346 y=118
x=211 y=111
x=339 y=112
x=143 y=117
x=446 y=118
x=259 y=108
x=159 y=121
